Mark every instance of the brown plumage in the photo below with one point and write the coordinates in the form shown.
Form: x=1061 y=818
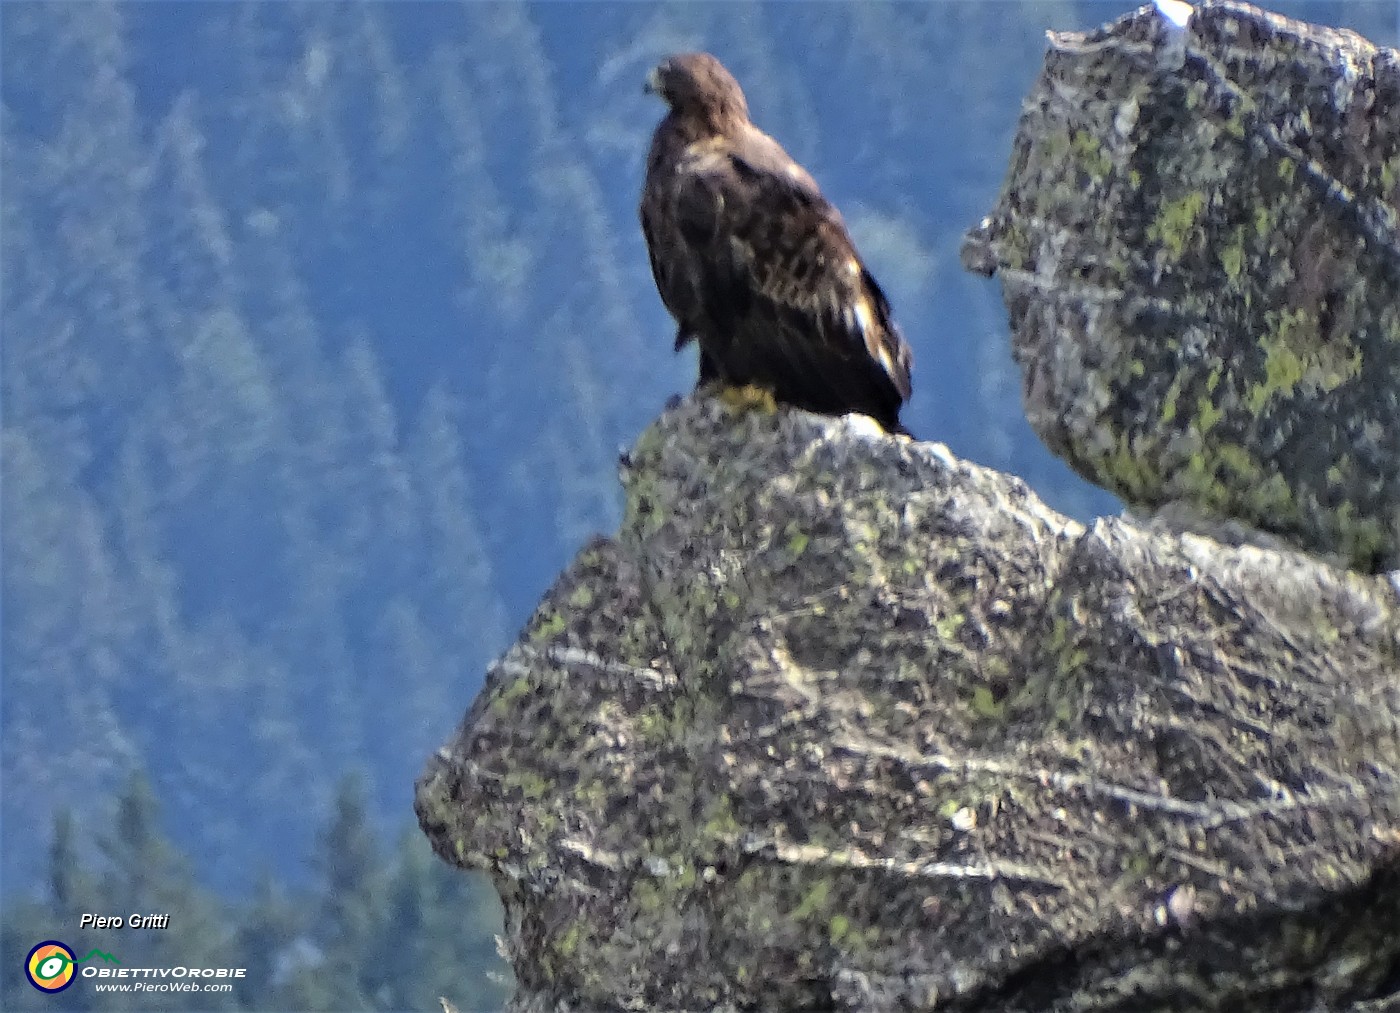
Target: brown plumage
x=755 y=264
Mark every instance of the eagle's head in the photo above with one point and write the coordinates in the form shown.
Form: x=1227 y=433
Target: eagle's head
x=696 y=85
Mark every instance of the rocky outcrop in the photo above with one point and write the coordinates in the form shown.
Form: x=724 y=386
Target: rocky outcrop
x=837 y=721
x=1199 y=247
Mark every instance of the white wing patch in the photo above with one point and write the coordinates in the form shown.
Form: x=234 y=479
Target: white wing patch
x=859 y=315
x=883 y=354
x=864 y=319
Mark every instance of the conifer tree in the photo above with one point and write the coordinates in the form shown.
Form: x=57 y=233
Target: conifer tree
x=351 y=877
x=437 y=935
x=270 y=937
x=146 y=874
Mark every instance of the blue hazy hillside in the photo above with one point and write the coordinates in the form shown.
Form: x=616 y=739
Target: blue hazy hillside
x=324 y=324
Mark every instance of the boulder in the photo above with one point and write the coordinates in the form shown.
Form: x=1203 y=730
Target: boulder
x=1198 y=243
x=836 y=721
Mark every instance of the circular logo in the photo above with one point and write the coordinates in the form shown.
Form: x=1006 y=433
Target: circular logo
x=49 y=966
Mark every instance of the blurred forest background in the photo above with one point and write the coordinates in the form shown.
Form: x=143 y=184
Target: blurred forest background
x=323 y=326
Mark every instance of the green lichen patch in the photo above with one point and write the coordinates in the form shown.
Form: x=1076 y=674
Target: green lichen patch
x=738 y=772
x=1236 y=285
x=1176 y=222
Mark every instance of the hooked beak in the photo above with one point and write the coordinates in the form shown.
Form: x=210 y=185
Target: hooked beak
x=653 y=82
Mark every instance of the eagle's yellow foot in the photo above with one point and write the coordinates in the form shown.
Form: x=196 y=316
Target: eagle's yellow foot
x=750 y=397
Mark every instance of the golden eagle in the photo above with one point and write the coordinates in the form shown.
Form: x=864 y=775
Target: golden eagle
x=755 y=264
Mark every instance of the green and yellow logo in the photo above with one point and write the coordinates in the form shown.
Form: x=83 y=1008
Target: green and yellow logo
x=49 y=966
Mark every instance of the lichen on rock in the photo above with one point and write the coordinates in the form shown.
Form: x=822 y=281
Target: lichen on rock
x=838 y=721
x=1199 y=247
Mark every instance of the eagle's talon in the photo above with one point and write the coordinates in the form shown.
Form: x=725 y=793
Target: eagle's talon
x=749 y=397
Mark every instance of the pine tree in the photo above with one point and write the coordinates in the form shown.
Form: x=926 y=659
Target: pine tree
x=71 y=887
x=270 y=935
x=28 y=920
x=437 y=935
x=351 y=879
x=146 y=874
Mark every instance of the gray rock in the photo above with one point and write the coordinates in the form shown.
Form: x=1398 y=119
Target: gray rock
x=1199 y=248
x=837 y=721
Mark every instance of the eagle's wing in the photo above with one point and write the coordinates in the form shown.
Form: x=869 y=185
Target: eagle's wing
x=670 y=277
x=781 y=280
